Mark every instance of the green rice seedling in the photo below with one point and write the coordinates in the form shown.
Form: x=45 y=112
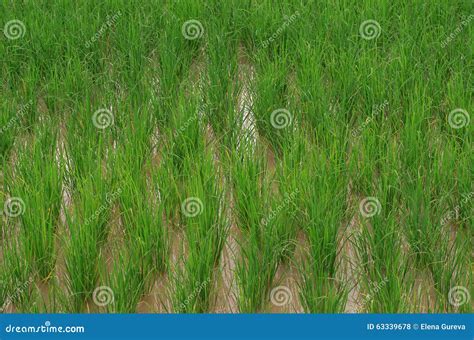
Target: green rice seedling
x=290 y=186
x=15 y=275
x=320 y=293
x=323 y=204
x=133 y=140
x=450 y=269
x=261 y=248
x=10 y=123
x=255 y=279
x=36 y=186
x=448 y=262
x=45 y=299
x=203 y=212
x=274 y=119
x=189 y=294
x=324 y=199
x=420 y=221
x=249 y=189
x=128 y=279
x=180 y=35
x=315 y=95
x=221 y=78
x=440 y=253
x=185 y=136
x=142 y=220
x=383 y=258
x=257 y=267
x=387 y=280
x=269 y=223
x=169 y=186
x=87 y=229
x=184 y=140
x=146 y=241
x=90 y=133
x=24 y=296
x=466 y=199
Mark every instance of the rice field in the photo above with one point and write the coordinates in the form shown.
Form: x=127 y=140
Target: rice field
x=297 y=156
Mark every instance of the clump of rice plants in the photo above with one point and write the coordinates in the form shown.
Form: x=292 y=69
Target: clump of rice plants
x=203 y=214
x=324 y=204
x=35 y=198
x=87 y=232
x=193 y=156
